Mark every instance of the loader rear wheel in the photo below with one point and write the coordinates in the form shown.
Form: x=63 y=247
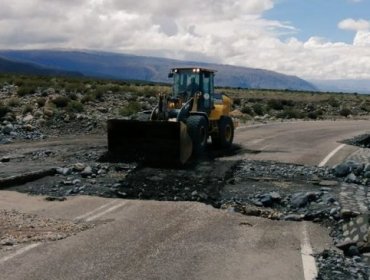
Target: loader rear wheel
x=225 y=136
x=198 y=132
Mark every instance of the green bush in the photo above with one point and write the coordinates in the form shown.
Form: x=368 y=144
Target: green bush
x=287 y=102
x=333 y=102
x=14 y=102
x=75 y=107
x=41 y=101
x=314 y=114
x=28 y=108
x=132 y=108
x=3 y=110
x=88 y=98
x=290 y=113
x=365 y=106
x=72 y=96
x=25 y=90
x=258 y=109
x=99 y=94
x=247 y=110
x=61 y=101
x=237 y=101
x=254 y=100
x=115 y=88
x=345 y=112
x=275 y=104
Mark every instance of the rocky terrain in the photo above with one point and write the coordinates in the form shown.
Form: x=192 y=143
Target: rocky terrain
x=335 y=197
x=34 y=108
x=19 y=228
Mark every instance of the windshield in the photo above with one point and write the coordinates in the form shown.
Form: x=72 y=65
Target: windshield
x=185 y=83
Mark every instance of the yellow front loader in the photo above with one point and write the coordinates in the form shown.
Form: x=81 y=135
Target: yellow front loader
x=179 y=126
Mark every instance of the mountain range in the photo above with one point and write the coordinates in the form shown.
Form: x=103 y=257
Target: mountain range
x=132 y=67
x=346 y=86
x=10 y=66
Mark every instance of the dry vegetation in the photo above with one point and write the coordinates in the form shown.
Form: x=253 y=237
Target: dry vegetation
x=50 y=99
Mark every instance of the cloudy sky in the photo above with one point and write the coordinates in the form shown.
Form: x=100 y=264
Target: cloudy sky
x=314 y=39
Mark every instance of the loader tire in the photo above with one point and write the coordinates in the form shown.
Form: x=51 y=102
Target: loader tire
x=198 y=132
x=225 y=136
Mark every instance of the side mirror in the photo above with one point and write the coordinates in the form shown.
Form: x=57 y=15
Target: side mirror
x=170 y=75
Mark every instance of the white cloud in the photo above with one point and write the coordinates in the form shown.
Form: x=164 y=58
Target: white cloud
x=362 y=39
x=351 y=24
x=229 y=31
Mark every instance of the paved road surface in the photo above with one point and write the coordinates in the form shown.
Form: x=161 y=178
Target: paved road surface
x=183 y=240
x=299 y=142
x=160 y=240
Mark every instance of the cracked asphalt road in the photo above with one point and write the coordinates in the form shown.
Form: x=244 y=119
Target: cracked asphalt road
x=175 y=240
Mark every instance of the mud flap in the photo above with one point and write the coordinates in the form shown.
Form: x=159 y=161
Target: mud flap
x=155 y=142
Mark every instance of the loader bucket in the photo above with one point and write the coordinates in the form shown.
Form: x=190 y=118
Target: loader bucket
x=154 y=142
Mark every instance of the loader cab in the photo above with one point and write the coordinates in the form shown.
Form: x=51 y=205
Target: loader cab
x=190 y=81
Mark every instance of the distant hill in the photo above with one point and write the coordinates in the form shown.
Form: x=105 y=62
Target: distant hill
x=348 y=86
x=130 y=67
x=11 y=66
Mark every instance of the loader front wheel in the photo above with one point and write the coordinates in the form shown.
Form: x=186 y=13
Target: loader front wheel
x=225 y=136
x=198 y=132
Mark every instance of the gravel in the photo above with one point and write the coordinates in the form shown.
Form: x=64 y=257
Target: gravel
x=333 y=265
x=18 y=228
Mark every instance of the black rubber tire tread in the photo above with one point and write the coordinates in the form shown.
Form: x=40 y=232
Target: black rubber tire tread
x=220 y=140
x=198 y=132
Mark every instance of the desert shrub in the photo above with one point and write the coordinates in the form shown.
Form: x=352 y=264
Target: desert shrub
x=72 y=96
x=41 y=101
x=25 y=90
x=14 y=102
x=61 y=101
x=365 y=106
x=237 y=101
x=333 y=102
x=99 y=94
x=75 y=106
x=88 y=98
x=345 y=112
x=254 y=100
x=28 y=108
x=290 y=113
x=247 y=110
x=314 y=114
x=258 y=109
x=287 y=102
x=115 y=88
x=275 y=104
x=310 y=107
x=130 y=109
x=3 y=110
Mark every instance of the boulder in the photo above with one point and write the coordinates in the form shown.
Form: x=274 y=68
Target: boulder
x=8 y=129
x=342 y=170
x=28 y=118
x=87 y=171
x=299 y=200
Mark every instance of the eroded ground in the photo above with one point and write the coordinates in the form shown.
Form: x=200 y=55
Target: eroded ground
x=267 y=189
